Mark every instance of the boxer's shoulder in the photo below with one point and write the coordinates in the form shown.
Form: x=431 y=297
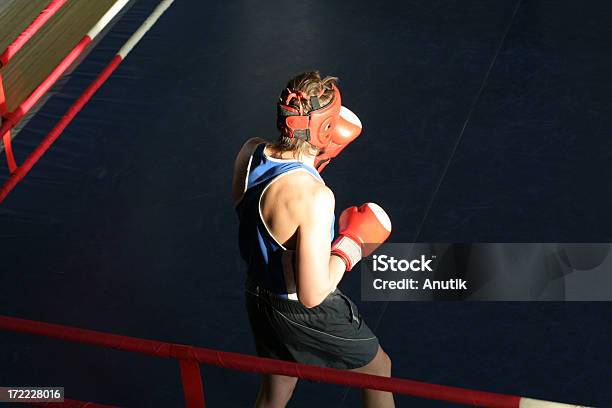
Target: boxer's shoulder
x=306 y=195
x=247 y=149
x=240 y=166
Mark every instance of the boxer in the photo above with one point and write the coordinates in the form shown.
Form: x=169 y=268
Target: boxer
x=286 y=238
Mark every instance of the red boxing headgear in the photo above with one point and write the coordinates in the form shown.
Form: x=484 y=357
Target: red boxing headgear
x=315 y=127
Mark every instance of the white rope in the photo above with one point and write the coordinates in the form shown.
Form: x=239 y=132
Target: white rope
x=106 y=18
x=146 y=26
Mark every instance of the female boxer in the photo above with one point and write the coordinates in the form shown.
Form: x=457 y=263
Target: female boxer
x=286 y=216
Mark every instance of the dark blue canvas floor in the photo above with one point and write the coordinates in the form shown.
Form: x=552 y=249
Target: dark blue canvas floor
x=483 y=122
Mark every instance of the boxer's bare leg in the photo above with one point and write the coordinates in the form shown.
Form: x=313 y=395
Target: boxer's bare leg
x=275 y=391
x=381 y=365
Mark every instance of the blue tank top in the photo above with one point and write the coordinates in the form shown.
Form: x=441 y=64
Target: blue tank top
x=268 y=263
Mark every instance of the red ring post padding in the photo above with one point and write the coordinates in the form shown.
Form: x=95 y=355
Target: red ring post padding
x=254 y=364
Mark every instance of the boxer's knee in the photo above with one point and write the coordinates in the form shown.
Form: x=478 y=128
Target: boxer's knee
x=380 y=365
x=385 y=364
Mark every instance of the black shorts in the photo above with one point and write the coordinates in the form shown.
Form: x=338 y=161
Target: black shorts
x=332 y=334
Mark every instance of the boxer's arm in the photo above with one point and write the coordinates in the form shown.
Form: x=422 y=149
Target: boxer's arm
x=318 y=273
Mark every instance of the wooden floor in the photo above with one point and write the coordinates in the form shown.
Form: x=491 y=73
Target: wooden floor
x=47 y=48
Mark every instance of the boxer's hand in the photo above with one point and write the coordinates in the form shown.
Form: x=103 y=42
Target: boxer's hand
x=368 y=224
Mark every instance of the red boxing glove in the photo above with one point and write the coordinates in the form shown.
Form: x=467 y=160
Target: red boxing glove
x=346 y=130
x=357 y=226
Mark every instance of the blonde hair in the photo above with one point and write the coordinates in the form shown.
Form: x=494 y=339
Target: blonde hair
x=310 y=84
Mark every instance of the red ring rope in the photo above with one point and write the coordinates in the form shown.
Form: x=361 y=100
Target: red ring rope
x=11 y=119
x=254 y=364
x=13 y=48
x=25 y=36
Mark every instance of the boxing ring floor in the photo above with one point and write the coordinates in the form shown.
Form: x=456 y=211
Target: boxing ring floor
x=495 y=127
